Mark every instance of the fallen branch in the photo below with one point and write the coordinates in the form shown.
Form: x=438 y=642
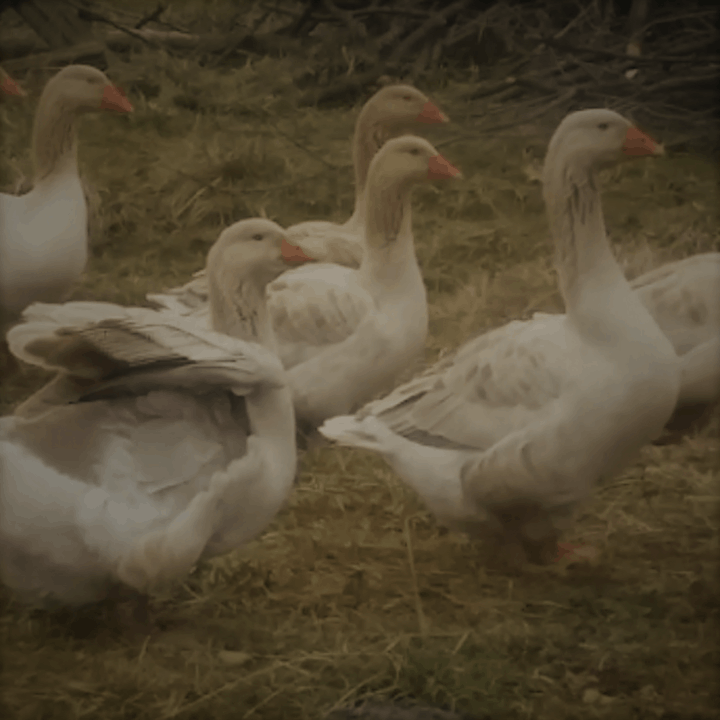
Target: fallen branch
x=92 y=16
x=91 y=53
x=150 y=17
x=561 y=45
x=710 y=80
x=54 y=22
x=120 y=41
x=341 y=88
x=435 y=20
x=491 y=88
x=357 y=29
x=560 y=101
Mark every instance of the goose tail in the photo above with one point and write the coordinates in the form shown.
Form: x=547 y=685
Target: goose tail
x=369 y=433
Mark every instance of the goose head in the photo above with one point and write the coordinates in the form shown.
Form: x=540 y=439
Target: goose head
x=597 y=138
x=400 y=105
x=82 y=88
x=245 y=258
x=255 y=250
x=399 y=165
x=8 y=86
x=410 y=159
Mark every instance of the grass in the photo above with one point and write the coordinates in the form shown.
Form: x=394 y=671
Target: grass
x=354 y=592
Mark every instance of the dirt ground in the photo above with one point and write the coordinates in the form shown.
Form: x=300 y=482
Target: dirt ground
x=354 y=591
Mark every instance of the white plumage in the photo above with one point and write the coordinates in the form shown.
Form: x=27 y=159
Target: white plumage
x=514 y=429
x=345 y=335
x=43 y=234
x=156 y=445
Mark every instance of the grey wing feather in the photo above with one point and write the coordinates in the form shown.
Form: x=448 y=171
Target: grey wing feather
x=684 y=299
x=100 y=342
x=192 y=298
x=490 y=387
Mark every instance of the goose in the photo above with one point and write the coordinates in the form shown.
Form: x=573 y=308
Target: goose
x=156 y=445
x=8 y=86
x=43 y=234
x=684 y=299
x=344 y=335
x=383 y=115
x=390 y=110
x=506 y=436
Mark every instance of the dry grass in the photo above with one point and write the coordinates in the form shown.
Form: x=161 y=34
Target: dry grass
x=354 y=592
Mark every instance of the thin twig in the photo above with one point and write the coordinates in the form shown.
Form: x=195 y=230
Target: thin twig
x=150 y=17
x=92 y=16
x=561 y=45
x=435 y=20
x=392 y=11
x=573 y=22
x=357 y=29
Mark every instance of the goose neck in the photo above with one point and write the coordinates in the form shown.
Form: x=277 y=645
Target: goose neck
x=370 y=135
x=54 y=138
x=239 y=310
x=389 y=245
x=584 y=260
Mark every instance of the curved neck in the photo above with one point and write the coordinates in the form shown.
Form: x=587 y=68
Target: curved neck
x=588 y=272
x=370 y=135
x=238 y=309
x=54 y=137
x=389 y=246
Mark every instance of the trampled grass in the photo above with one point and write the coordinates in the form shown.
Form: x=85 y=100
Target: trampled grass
x=355 y=592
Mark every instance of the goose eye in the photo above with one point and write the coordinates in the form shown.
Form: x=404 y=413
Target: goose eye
x=603 y=126
x=414 y=151
x=258 y=236
x=407 y=97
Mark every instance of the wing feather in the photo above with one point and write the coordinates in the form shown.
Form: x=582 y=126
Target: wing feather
x=103 y=346
x=328 y=242
x=684 y=299
x=314 y=307
x=190 y=299
x=491 y=386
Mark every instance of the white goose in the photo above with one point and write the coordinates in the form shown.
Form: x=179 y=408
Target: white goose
x=513 y=430
x=43 y=234
x=345 y=335
x=8 y=86
x=386 y=113
x=157 y=444
x=684 y=299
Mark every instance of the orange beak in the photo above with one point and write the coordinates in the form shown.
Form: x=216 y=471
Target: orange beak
x=113 y=99
x=292 y=253
x=10 y=87
x=431 y=114
x=439 y=168
x=637 y=144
